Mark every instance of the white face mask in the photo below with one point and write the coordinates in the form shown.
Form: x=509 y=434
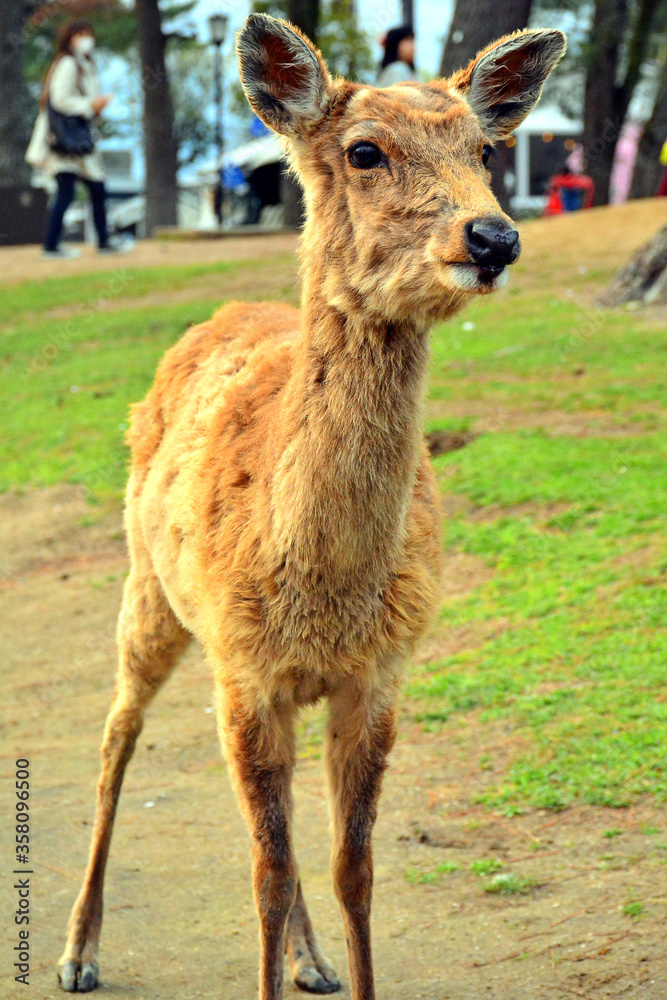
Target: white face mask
x=85 y=46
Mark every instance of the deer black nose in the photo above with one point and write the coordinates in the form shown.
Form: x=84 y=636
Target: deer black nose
x=492 y=242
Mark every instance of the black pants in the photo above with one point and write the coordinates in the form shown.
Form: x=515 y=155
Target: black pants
x=64 y=198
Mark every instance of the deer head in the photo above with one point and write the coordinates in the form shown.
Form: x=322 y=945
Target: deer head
x=401 y=220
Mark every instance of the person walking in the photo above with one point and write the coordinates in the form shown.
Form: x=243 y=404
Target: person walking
x=62 y=145
x=398 y=61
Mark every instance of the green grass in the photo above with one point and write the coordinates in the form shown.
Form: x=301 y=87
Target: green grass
x=560 y=500
x=571 y=524
x=507 y=884
x=633 y=909
x=485 y=866
x=432 y=876
x=89 y=292
x=64 y=421
x=68 y=380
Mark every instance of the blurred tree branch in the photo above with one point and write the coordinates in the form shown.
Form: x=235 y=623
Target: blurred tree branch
x=648 y=168
x=475 y=24
x=15 y=105
x=159 y=139
x=617 y=46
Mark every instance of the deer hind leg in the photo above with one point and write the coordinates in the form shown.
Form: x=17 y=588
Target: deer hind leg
x=150 y=639
x=311 y=970
x=259 y=748
x=360 y=734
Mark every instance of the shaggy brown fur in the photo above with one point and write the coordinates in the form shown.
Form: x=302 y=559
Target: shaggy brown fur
x=281 y=505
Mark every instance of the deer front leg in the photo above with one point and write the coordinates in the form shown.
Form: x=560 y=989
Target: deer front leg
x=360 y=734
x=259 y=747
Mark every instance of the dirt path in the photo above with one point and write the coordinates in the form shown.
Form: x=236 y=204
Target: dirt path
x=179 y=917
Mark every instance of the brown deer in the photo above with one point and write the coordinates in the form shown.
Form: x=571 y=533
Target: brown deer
x=281 y=507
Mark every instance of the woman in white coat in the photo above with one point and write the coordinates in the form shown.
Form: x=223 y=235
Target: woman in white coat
x=398 y=61
x=72 y=88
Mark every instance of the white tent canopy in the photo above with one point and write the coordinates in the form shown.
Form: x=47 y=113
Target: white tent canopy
x=254 y=154
x=549 y=119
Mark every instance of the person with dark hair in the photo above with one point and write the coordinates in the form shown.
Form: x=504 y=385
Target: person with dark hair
x=398 y=61
x=71 y=94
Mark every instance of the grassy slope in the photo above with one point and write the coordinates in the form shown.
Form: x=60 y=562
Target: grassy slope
x=76 y=352
x=560 y=500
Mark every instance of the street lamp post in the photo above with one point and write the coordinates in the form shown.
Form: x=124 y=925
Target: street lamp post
x=218 y=28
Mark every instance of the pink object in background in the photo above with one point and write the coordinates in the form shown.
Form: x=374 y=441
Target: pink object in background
x=575 y=160
x=624 y=163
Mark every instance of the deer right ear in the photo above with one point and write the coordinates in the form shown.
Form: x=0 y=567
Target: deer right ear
x=284 y=77
x=504 y=81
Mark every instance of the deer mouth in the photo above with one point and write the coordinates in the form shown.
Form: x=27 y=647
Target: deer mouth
x=474 y=278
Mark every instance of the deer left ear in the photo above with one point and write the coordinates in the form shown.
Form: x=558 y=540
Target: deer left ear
x=504 y=82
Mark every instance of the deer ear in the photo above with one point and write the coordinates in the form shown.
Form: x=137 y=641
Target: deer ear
x=504 y=82
x=284 y=77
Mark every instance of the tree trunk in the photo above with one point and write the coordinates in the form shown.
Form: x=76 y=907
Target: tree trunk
x=648 y=169
x=159 y=141
x=602 y=119
x=474 y=25
x=305 y=14
x=644 y=277
x=477 y=23
x=16 y=111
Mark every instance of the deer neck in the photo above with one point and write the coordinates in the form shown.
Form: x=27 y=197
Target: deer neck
x=353 y=419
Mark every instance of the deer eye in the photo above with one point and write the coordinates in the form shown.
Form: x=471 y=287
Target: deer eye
x=365 y=155
x=487 y=152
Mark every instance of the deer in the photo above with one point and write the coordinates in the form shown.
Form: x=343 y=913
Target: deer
x=281 y=506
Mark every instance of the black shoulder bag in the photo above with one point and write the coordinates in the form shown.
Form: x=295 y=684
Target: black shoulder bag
x=69 y=135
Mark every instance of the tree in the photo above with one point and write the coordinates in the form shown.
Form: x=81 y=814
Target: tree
x=190 y=71
x=643 y=278
x=15 y=103
x=617 y=46
x=343 y=44
x=332 y=26
x=28 y=46
x=27 y=32
x=648 y=168
x=475 y=24
x=159 y=139
x=305 y=14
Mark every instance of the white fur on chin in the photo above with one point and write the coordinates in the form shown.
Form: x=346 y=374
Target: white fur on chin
x=467 y=279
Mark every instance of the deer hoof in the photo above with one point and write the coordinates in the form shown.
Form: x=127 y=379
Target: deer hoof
x=75 y=977
x=313 y=980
